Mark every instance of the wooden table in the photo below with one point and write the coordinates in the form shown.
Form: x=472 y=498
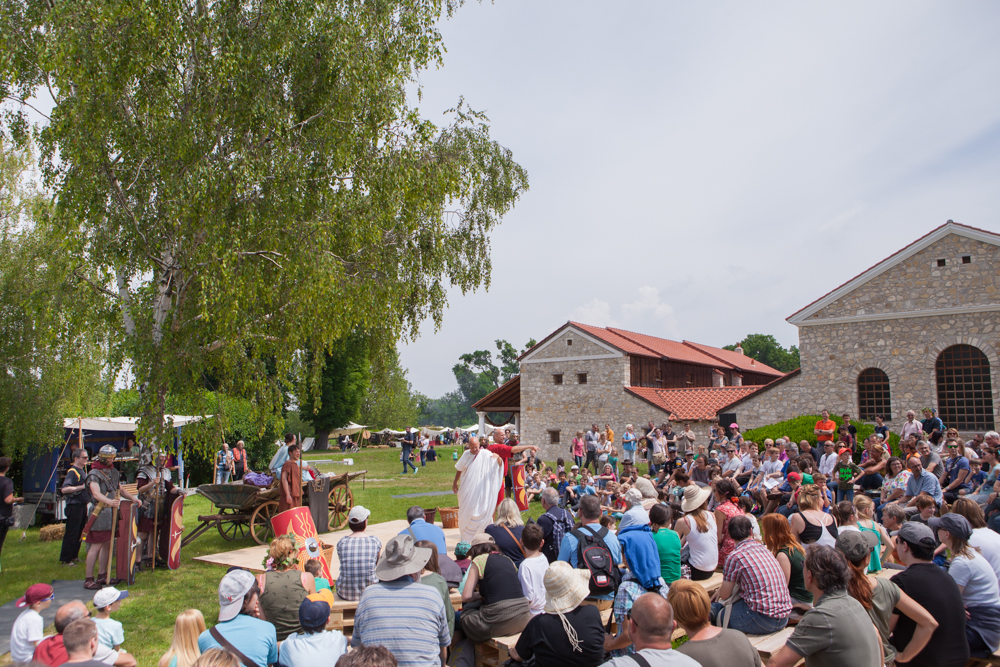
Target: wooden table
x=343 y=611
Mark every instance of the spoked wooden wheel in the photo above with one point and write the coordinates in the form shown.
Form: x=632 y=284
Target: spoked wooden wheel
x=260 y=522
x=233 y=525
x=341 y=502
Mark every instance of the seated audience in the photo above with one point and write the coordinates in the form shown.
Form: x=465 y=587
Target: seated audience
x=315 y=567
x=368 y=656
x=462 y=555
x=668 y=543
x=762 y=603
x=183 y=651
x=727 y=499
x=698 y=532
x=110 y=633
x=810 y=524
x=976 y=580
x=865 y=521
x=709 y=645
x=399 y=612
x=881 y=598
x=506 y=530
x=590 y=527
x=238 y=628
x=636 y=514
x=791 y=556
x=642 y=575
x=431 y=576
x=358 y=553
x=80 y=641
x=492 y=579
x=28 y=628
x=836 y=631
x=315 y=646
x=282 y=589
x=984 y=539
x=531 y=572
x=52 y=652
x=567 y=633
x=651 y=627
x=216 y=657
x=419 y=529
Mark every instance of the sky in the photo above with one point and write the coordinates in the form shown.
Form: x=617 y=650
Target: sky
x=700 y=171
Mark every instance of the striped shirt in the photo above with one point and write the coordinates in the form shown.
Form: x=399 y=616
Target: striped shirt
x=358 y=556
x=406 y=618
x=762 y=583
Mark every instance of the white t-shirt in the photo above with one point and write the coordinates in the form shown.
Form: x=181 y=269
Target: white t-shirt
x=27 y=631
x=531 y=574
x=704 y=546
x=110 y=632
x=978 y=580
x=989 y=543
x=770 y=467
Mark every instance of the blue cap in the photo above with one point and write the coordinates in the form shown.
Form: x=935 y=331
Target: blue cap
x=313 y=614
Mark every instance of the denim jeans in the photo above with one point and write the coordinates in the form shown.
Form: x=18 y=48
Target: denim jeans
x=871 y=482
x=845 y=494
x=748 y=621
x=423 y=458
x=221 y=476
x=578 y=460
x=406 y=459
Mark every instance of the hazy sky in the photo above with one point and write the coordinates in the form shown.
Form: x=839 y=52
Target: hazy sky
x=700 y=171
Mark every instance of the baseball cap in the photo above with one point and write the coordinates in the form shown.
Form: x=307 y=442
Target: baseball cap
x=843 y=450
x=856 y=544
x=574 y=467
x=233 y=587
x=956 y=524
x=35 y=593
x=794 y=476
x=108 y=596
x=462 y=548
x=917 y=533
x=313 y=614
x=358 y=514
x=482 y=538
x=323 y=595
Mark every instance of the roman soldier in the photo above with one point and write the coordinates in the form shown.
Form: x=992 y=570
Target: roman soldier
x=105 y=486
x=157 y=493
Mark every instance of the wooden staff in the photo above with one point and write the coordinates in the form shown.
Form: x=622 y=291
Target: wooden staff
x=111 y=545
x=156 y=513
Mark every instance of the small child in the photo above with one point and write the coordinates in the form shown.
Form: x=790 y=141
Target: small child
x=29 y=626
x=819 y=479
x=315 y=568
x=560 y=466
x=609 y=523
x=109 y=631
x=563 y=482
x=531 y=571
x=462 y=555
x=977 y=476
x=925 y=505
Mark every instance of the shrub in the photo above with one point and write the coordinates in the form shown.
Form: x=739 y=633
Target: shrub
x=801 y=428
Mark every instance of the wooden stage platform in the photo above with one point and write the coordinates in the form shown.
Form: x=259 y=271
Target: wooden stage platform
x=252 y=557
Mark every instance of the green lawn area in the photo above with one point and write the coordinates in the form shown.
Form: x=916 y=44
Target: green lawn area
x=157 y=597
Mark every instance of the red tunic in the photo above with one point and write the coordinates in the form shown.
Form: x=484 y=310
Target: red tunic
x=504 y=452
x=290 y=474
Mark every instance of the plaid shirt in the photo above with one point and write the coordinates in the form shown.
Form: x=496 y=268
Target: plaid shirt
x=358 y=556
x=762 y=583
x=628 y=592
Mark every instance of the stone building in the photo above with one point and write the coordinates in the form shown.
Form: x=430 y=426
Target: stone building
x=919 y=329
x=581 y=374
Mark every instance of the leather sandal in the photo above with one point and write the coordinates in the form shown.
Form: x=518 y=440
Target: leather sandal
x=91 y=585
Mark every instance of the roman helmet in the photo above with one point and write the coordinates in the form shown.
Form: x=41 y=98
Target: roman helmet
x=107 y=454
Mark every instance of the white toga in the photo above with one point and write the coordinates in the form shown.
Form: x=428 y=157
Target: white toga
x=477 y=495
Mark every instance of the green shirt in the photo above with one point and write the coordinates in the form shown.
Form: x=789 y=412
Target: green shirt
x=668 y=543
x=836 y=632
x=796 y=583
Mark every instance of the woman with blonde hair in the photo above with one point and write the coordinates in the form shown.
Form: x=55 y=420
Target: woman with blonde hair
x=506 y=531
x=787 y=550
x=708 y=645
x=216 y=657
x=810 y=524
x=697 y=529
x=283 y=587
x=865 y=509
x=628 y=444
x=183 y=651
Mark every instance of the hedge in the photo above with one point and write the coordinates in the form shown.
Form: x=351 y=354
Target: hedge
x=801 y=428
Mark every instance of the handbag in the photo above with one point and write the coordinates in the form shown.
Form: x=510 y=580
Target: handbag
x=722 y=620
x=659 y=458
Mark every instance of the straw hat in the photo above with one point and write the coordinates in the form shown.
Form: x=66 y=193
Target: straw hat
x=565 y=587
x=694 y=497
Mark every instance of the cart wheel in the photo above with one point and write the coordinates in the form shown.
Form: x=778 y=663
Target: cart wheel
x=233 y=527
x=260 y=522
x=341 y=502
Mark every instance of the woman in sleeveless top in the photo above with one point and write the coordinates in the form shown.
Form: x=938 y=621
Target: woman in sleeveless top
x=809 y=523
x=698 y=532
x=498 y=608
x=727 y=495
x=866 y=511
x=787 y=550
x=283 y=588
x=506 y=531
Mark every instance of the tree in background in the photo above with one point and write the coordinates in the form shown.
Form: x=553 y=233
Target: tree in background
x=390 y=402
x=346 y=380
x=242 y=182
x=766 y=349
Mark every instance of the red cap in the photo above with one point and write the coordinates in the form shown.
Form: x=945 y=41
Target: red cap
x=795 y=476
x=844 y=449
x=35 y=593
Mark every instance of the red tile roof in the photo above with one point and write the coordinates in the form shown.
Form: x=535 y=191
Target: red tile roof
x=669 y=349
x=613 y=338
x=696 y=404
x=742 y=362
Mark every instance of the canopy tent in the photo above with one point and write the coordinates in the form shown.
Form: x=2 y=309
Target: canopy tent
x=122 y=424
x=350 y=429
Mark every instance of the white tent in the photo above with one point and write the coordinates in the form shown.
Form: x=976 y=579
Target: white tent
x=122 y=424
x=350 y=429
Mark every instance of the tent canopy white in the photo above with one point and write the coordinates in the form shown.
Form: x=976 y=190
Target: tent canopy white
x=350 y=429
x=123 y=424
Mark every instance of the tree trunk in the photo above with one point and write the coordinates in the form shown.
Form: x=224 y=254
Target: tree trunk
x=322 y=440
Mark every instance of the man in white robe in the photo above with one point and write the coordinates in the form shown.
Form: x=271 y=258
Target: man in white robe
x=477 y=496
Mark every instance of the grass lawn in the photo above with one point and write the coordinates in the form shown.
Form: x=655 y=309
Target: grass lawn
x=157 y=597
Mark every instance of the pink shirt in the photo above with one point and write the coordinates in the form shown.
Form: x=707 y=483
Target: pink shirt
x=579 y=447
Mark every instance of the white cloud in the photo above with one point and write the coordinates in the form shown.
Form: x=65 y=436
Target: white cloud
x=595 y=312
x=647 y=305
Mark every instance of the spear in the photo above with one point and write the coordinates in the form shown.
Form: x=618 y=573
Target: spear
x=111 y=546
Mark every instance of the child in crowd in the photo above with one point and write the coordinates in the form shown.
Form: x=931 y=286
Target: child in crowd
x=535 y=487
x=110 y=632
x=29 y=626
x=748 y=506
x=531 y=571
x=315 y=568
x=609 y=523
x=819 y=479
x=462 y=555
x=560 y=466
x=926 y=508
x=847 y=473
x=977 y=475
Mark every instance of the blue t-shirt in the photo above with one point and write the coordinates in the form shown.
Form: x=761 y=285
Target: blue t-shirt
x=954 y=466
x=928 y=483
x=582 y=490
x=310 y=650
x=255 y=638
x=427 y=531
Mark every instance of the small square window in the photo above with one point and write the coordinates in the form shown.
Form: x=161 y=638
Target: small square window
x=569 y=341
x=557 y=378
x=581 y=378
x=966 y=259
x=553 y=437
x=942 y=262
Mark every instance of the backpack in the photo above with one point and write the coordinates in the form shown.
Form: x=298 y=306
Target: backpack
x=592 y=554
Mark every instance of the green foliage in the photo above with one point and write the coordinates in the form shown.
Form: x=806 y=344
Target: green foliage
x=345 y=381
x=767 y=350
x=390 y=402
x=801 y=428
x=241 y=182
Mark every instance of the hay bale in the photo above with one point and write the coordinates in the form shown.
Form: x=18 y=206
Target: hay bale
x=52 y=533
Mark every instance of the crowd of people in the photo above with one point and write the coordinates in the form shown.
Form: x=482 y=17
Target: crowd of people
x=874 y=558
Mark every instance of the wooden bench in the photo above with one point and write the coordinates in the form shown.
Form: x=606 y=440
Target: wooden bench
x=343 y=611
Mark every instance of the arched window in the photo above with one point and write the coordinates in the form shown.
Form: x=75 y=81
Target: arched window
x=873 y=395
x=965 y=393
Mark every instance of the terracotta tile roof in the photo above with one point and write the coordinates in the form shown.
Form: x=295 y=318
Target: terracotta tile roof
x=669 y=349
x=736 y=359
x=696 y=404
x=787 y=376
x=611 y=337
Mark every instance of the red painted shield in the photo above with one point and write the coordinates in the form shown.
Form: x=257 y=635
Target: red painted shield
x=126 y=549
x=176 y=532
x=520 y=497
x=298 y=523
